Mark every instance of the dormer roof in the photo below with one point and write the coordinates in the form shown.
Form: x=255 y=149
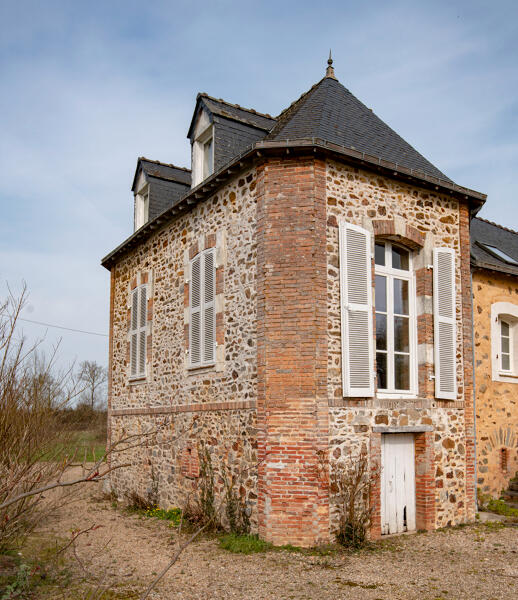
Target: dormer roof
x=234 y=112
x=160 y=170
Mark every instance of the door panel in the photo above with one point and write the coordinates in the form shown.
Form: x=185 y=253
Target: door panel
x=397 y=483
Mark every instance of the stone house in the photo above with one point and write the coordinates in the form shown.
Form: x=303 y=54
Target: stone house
x=300 y=297
x=494 y=259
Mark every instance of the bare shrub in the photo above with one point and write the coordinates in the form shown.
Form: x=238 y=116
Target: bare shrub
x=352 y=481
x=31 y=395
x=236 y=511
x=200 y=507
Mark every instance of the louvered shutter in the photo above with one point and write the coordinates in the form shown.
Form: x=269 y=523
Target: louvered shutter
x=133 y=332
x=142 y=331
x=356 y=311
x=209 y=292
x=195 y=302
x=444 y=323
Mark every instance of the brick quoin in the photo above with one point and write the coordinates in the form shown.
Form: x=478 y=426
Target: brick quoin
x=467 y=341
x=292 y=409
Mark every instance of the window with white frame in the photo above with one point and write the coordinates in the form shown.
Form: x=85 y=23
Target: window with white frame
x=395 y=348
x=395 y=319
x=138 y=332
x=208 y=156
x=203 y=155
x=202 y=295
x=505 y=346
x=504 y=341
x=141 y=207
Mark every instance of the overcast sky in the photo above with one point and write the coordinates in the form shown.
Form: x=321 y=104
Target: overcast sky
x=87 y=87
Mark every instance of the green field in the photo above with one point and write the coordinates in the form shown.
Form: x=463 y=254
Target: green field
x=89 y=444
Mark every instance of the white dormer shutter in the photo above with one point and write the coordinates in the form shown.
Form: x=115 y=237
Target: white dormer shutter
x=356 y=311
x=195 y=321
x=209 y=292
x=444 y=323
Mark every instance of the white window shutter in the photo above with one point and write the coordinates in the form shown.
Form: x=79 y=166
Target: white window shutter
x=209 y=293
x=444 y=323
x=142 y=331
x=133 y=332
x=195 y=306
x=356 y=311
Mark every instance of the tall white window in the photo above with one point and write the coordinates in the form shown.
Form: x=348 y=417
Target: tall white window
x=138 y=332
x=202 y=330
x=395 y=319
x=141 y=208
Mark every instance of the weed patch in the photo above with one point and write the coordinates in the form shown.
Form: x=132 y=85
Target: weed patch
x=500 y=507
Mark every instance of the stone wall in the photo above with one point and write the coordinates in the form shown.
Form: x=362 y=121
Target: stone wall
x=422 y=220
x=496 y=401
x=213 y=404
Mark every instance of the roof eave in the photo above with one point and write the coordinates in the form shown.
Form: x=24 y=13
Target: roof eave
x=507 y=270
x=261 y=148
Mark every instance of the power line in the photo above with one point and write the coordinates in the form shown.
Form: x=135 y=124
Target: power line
x=66 y=328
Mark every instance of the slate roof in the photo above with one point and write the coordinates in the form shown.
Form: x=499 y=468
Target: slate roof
x=329 y=111
x=166 y=171
x=234 y=112
x=506 y=240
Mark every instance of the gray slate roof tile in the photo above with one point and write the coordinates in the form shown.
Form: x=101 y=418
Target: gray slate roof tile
x=486 y=232
x=330 y=112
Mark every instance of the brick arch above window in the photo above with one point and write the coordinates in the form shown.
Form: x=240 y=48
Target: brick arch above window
x=399 y=232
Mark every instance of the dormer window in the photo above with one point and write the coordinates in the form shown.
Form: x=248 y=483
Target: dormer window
x=141 y=207
x=208 y=156
x=203 y=156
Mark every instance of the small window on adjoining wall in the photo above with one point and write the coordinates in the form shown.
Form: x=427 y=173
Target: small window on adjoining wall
x=504 y=341
x=505 y=346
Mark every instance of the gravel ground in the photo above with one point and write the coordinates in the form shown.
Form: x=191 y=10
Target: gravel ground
x=478 y=562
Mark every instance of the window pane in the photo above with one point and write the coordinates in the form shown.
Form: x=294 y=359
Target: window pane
x=379 y=254
x=506 y=363
x=402 y=371
x=400 y=297
x=381 y=332
x=400 y=258
x=505 y=345
x=400 y=334
x=380 y=298
x=505 y=328
x=381 y=370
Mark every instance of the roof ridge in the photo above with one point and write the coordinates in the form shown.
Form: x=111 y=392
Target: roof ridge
x=163 y=164
x=497 y=225
x=250 y=110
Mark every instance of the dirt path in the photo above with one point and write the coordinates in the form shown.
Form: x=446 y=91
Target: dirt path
x=475 y=563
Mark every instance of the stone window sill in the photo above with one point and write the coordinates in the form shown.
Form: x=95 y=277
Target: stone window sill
x=202 y=369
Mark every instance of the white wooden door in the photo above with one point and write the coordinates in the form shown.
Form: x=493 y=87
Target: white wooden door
x=397 y=483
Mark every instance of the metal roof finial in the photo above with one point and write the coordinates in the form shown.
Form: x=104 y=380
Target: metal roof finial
x=330 y=72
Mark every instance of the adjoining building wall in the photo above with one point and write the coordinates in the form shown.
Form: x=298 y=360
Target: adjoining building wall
x=496 y=398
x=421 y=220
x=215 y=405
